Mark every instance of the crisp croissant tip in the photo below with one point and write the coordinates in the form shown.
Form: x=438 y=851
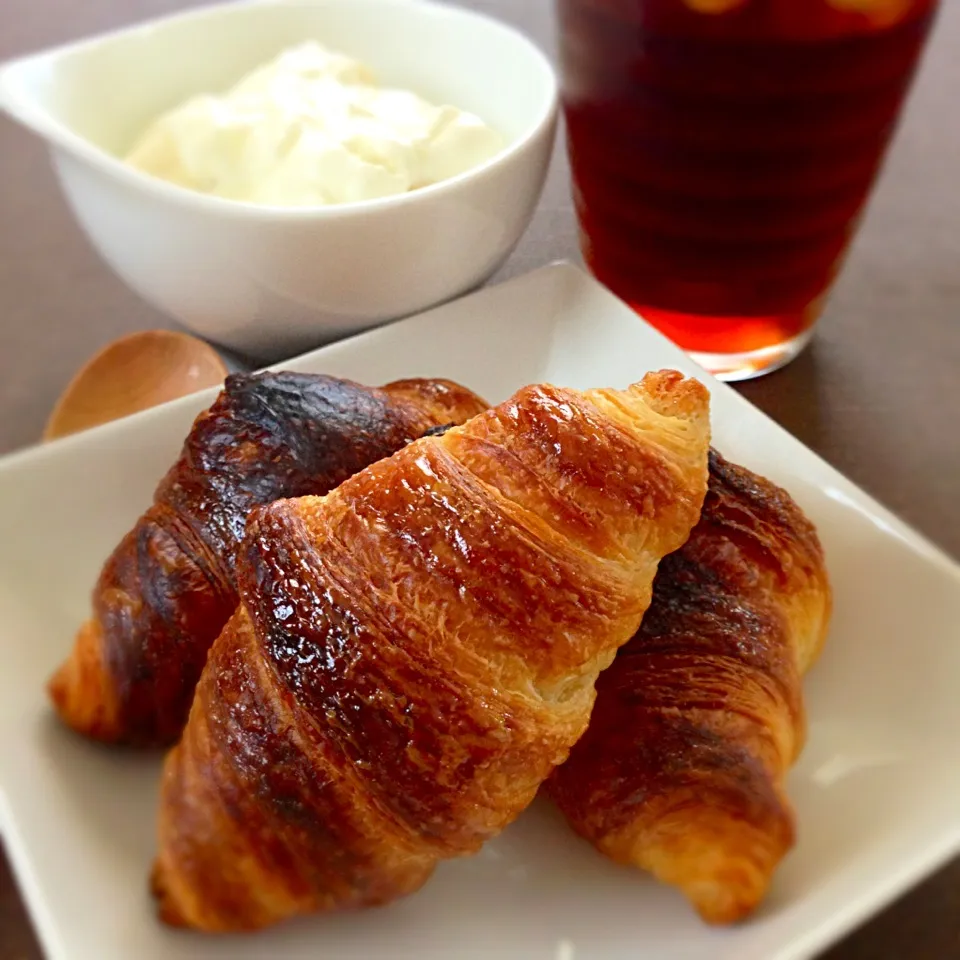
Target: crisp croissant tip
x=730 y=885
x=672 y=393
x=57 y=689
x=722 y=863
x=62 y=691
x=167 y=909
x=81 y=692
x=723 y=904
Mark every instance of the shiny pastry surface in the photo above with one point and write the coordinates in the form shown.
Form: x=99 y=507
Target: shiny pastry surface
x=167 y=590
x=416 y=651
x=700 y=716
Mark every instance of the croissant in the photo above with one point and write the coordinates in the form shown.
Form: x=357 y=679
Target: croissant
x=699 y=718
x=416 y=651
x=168 y=589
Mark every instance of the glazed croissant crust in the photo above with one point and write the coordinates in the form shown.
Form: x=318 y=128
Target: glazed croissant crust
x=700 y=716
x=168 y=589
x=416 y=651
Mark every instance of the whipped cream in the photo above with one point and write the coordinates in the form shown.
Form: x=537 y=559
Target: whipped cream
x=311 y=128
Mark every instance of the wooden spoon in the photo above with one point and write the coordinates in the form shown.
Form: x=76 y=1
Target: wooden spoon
x=133 y=373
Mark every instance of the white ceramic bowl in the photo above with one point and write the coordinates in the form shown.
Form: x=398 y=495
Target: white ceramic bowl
x=271 y=281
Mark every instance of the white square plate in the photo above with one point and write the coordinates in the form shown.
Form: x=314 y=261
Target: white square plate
x=877 y=789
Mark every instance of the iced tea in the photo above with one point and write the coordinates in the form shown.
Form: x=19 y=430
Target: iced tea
x=722 y=151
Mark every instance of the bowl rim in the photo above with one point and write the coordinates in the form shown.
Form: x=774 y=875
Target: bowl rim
x=60 y=135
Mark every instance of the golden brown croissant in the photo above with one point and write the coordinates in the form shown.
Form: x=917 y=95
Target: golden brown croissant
x=417 y=650
x=168 y=589
x=700 y=716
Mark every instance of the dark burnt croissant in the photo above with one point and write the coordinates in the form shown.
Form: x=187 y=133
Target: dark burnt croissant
x=700 y=716
x=168 y=589
x=416 y=651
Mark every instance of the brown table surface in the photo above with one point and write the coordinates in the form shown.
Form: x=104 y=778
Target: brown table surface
x=876 y=394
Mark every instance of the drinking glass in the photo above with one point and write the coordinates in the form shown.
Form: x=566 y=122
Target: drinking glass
x=722 y=152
